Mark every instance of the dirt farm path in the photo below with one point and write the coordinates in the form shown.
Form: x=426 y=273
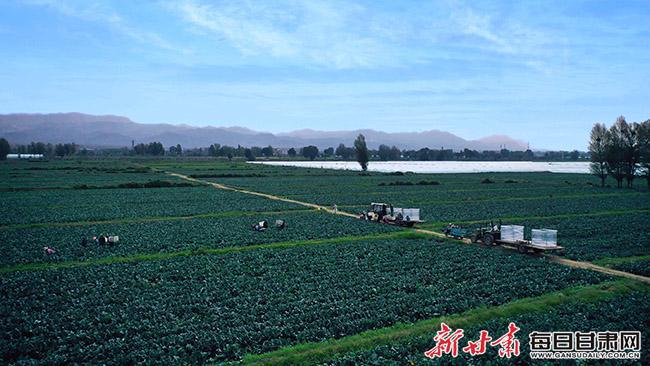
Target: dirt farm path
x=552 y=258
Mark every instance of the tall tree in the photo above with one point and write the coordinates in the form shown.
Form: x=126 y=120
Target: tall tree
x=383 y=152
x=291 y=152
x=342 y=151
x=615 y=155
x=361 y=150
x=5 y=149
x=395 y=153
x=626 y=135
x=310 y=152
x=598 y=151
x=213 y=150
x=267 y=151
x=248 y=153
x=643 y=143
x=630 y=149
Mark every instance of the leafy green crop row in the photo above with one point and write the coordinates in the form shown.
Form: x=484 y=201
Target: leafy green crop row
x=93 y=205
x=219 y=307
x=26 y=245
x=414 y=196
x=641 y=267
x=493 y=210
x=66 y=174
x=628 y=312
x=458 y=197
x=300 y=181
x=590 y=238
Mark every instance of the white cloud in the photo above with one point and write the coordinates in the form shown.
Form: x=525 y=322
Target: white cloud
x=329 y=34
x=100 y=12
x=344 y=35
x=321 y=33
x=501 y=34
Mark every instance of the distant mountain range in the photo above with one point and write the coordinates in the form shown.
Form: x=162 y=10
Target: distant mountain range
x=115 y=131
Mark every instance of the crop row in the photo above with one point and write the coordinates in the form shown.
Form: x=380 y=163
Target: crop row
x=548 y=206
x=50 y=175
x=103 y=204
x=623 y=313
x=26 y=245
x=423 y=197
x=220 y=307
x=589 y=238
x=355 y=182
x=641 y=267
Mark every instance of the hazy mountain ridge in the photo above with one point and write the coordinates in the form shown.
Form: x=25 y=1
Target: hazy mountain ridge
x=117 y=131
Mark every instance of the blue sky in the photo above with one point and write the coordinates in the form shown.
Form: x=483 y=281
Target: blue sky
x=542 y=71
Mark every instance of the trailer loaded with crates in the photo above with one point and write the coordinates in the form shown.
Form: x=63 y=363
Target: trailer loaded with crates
x=541 y=240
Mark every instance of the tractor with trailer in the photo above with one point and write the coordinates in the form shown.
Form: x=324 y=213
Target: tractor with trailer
x=542 y=240
x=387 y=214
x=456 y=231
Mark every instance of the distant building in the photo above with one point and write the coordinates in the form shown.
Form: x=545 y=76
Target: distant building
x=24 y=156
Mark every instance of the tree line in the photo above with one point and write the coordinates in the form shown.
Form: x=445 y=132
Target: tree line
x=387 y=153
x=311 y=152
x=39 y=148
x=621 y=151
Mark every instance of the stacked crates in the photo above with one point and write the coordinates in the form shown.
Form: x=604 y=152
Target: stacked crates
x=544 y=237
x=512 y=233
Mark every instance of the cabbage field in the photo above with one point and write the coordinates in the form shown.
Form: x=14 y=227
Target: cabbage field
x=222 y=307
x=190 y=281
x=617 y=314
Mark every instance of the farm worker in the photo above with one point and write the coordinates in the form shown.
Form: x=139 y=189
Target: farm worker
x=102 y=240
x=49 y=251
x=261 y=226
x=335 y=208
x=96 y=240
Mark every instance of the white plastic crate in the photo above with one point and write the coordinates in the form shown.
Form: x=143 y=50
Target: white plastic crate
x=550 y=237
x=518 y=232
x=512 y=233
x=412 y=213
x=507 y=233
x=537 y=237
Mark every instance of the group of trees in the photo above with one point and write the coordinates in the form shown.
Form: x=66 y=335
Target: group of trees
x=176 y=150
x=47 y=150
x=152 y=148
x=310 y=152
x=230 y=152
x=621 y=152
x=5 y=148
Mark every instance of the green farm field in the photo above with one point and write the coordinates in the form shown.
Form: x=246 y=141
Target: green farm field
x=189 y=281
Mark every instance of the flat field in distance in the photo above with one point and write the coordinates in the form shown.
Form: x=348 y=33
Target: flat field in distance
x=191 y=282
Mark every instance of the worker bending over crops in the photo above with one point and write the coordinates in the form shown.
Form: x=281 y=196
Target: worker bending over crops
x=261 y=226
x=49 y=251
